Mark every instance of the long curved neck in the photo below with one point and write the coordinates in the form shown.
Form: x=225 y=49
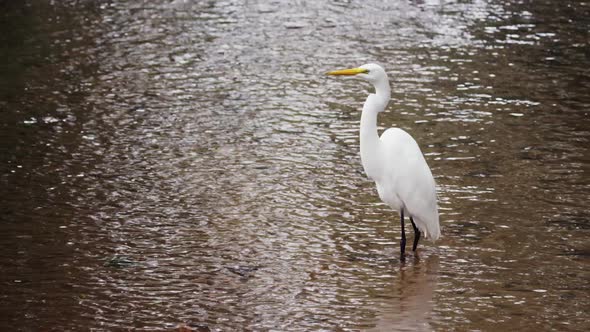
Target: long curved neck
x=369 y=137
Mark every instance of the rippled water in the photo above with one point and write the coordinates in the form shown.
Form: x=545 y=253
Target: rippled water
x=188 y=162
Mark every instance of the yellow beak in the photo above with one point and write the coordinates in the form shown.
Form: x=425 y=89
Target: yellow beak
x=349 y=72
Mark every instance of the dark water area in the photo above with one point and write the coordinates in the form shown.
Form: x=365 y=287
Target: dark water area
x=188 y=162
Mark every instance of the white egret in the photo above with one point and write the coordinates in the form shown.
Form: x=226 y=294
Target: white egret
x=394 y=161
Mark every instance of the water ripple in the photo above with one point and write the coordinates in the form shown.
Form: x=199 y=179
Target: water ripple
x=185 y=162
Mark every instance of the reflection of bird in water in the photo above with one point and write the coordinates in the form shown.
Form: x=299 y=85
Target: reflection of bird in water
x=394 y=161
x=408 y=303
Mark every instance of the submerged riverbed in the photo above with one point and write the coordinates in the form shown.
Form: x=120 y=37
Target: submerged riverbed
x=188 y=162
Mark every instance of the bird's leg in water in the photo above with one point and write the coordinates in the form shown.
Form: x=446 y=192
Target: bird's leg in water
x=416 y=235
x=402 y=244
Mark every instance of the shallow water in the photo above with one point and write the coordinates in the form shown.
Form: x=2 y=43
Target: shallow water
x=188 y=162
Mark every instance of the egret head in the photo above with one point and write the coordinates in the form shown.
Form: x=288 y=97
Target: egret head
x=370 y=72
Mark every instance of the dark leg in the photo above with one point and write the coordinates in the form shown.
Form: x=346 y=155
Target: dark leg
x=403 y=241
x=416 y=235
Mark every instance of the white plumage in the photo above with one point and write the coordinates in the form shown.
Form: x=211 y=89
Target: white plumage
x=394 y=161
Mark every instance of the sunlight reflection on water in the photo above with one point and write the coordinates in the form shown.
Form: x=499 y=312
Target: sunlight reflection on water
x=189 y=162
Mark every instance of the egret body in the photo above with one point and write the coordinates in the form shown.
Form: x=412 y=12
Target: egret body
x=394 y=161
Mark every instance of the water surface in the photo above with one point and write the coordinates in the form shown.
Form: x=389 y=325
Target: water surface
x=188 y=162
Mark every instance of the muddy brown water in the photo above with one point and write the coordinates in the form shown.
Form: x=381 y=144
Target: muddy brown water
x=187 y=162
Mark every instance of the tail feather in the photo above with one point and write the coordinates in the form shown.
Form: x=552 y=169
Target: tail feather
x=429 y=227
